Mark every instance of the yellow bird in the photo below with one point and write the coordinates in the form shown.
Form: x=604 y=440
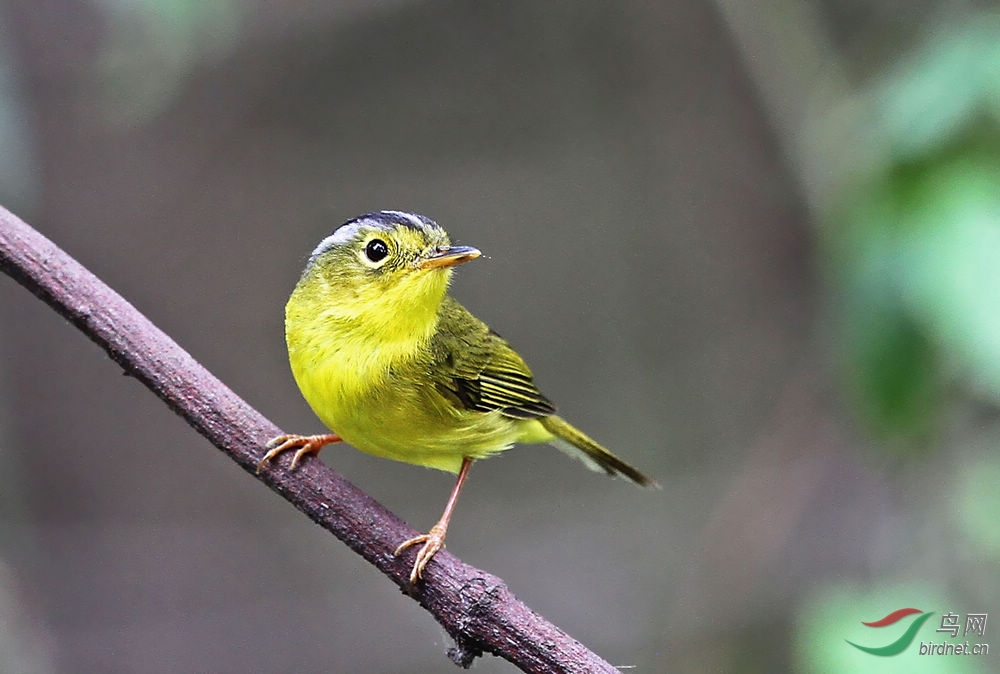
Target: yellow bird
x=399 y=369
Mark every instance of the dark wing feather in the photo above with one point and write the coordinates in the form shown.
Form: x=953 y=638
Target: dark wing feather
x=478 y=368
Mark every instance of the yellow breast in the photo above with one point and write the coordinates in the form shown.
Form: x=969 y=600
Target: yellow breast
x=361 y=363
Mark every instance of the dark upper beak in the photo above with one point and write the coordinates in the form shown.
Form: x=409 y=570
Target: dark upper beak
x=449 y=256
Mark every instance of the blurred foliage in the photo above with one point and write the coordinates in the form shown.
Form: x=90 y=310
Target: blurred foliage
x=912 y=249
x=979 y=504
x=152 y=46
x=914 y=244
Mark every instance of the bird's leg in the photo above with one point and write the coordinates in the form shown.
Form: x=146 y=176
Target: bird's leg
x=307 y=444
x=433 y=540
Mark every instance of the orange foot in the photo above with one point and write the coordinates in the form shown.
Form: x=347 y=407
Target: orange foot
x=433 y=541
x=307 y=444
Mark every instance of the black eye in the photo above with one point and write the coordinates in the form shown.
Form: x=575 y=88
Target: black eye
x=376 y=250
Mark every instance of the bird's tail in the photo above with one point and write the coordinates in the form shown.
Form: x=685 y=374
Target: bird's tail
x=576 y=444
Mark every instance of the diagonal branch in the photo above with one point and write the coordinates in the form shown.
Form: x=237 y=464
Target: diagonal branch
x=476 y=608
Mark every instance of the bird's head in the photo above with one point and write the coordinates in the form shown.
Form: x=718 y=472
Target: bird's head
x=381 y=267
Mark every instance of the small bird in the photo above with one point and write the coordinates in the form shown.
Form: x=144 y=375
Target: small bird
x=397 y=368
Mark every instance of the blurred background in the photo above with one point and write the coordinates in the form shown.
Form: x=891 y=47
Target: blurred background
x=752 y=247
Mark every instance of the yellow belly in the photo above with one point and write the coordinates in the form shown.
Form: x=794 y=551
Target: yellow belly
x=402 y=418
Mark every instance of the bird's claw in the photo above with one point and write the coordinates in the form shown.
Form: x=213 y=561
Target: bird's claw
x=307 y=444
x=433 y=541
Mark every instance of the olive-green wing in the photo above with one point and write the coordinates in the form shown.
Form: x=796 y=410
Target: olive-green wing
x=479 y=369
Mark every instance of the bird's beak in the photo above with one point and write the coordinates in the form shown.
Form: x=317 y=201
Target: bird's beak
x=449 y=256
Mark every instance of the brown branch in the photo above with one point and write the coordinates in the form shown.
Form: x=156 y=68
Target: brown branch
x=476 y=608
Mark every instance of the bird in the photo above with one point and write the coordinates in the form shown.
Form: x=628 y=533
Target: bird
x=393 y=365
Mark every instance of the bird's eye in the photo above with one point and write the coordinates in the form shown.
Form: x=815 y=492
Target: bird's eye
x=376 y=250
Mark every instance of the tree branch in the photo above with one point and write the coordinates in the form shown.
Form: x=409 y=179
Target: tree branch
x=476 y=608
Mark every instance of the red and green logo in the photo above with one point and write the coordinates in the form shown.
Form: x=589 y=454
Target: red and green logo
x=903 y=642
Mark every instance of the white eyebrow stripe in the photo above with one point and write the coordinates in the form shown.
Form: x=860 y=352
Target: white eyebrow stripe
x=409 y=217
x=340 y=236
